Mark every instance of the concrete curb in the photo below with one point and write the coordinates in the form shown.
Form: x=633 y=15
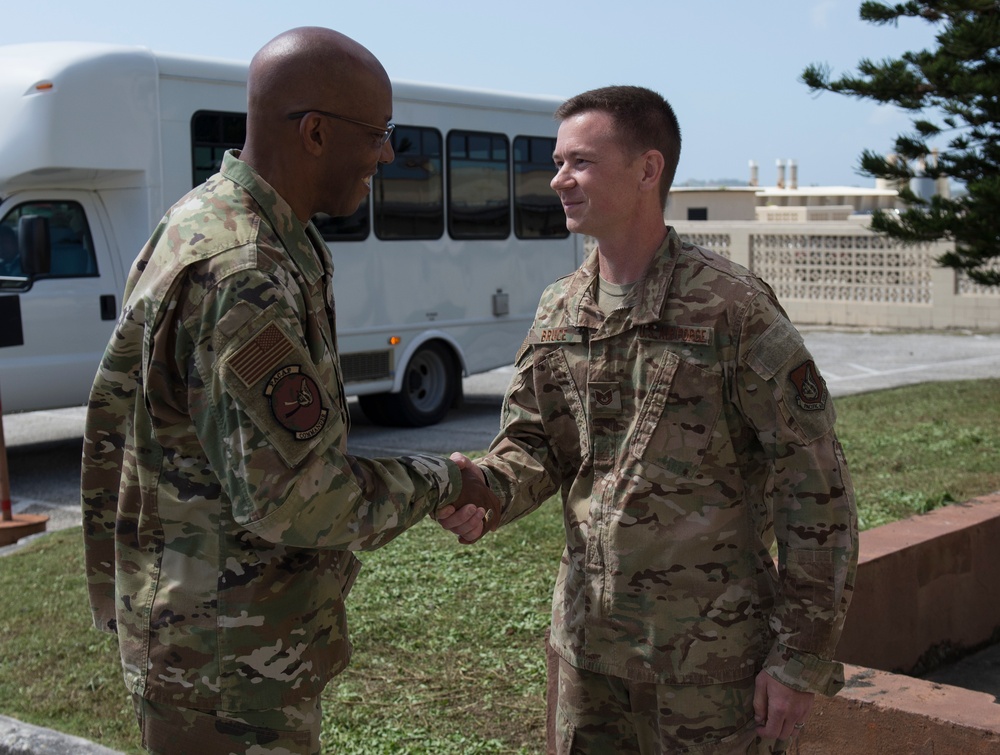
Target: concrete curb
x=19 y=738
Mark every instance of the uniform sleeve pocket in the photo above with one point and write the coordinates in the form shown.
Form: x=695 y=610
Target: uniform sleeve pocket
x=271 y=377
x=809 y=598
x=780 y=357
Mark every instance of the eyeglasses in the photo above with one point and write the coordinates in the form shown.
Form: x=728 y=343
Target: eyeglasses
x=384 y=131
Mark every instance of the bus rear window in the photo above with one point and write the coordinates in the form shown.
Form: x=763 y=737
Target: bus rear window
x=538 y=213
x=408 y=192
x=478 y=186
x=212 y=133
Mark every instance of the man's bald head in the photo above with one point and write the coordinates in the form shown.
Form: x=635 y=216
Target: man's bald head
x=305 y=68
x=315 y=72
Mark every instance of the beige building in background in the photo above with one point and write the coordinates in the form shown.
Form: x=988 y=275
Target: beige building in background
x=786 y=201
x=813 y=245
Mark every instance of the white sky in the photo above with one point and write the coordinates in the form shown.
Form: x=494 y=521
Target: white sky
x=730 y=68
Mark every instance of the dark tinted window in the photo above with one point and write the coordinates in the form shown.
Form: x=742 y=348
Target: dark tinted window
x=352 y=228
x=478 y=186
x=72 y=248
x=409 y=192
x=212 y=133
x=538 y=213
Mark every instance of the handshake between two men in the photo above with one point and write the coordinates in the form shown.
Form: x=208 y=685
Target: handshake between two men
x=477 y=510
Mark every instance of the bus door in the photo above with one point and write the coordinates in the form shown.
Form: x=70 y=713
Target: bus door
x=54 y=326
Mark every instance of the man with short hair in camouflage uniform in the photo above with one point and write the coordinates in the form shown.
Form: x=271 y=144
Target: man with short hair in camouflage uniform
x=220 y=504
x=663 y=391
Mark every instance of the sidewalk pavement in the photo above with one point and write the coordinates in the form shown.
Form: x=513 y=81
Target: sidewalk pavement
x=19 y=738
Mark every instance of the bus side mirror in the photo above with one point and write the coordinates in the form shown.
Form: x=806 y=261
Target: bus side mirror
x=34 y=245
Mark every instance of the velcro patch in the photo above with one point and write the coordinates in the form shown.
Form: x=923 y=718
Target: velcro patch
x=604 y=398
x=701 y=336
x=261 y=355
x=810 y=388
x=296 y=402
x=558 y=335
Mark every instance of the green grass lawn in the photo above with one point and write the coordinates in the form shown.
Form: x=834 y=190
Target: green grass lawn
x=915 y=448
x=449 y=654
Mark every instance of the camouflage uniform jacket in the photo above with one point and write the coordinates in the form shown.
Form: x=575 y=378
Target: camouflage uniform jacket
x=685 y=432
x=220 y=504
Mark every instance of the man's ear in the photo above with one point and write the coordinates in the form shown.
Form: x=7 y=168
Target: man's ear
x=652 y=169
x=311 y=133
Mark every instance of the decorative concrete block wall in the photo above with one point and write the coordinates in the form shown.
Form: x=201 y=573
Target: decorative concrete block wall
x=843 y=274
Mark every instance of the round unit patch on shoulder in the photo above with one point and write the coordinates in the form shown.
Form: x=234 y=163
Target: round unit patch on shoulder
x=295 y=402
x=810 y=388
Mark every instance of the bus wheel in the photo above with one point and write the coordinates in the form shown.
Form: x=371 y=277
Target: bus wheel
x=430 y=386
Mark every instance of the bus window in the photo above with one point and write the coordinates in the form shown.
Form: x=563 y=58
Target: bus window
x=72 y=254
x=409 y=192
x=212 y=133
x=352 y=228
x=10 y=256
x=478 y=186
x=538 y=214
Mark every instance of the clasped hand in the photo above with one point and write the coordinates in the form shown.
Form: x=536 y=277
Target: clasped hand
x=477 y=509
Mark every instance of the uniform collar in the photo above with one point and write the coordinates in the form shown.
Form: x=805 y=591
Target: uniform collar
x=302 y=246
x=646 y=298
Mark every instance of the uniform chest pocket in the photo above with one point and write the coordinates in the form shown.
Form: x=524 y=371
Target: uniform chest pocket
x=561 y=406
x=678 y=416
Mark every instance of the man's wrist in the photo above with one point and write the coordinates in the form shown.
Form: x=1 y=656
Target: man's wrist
x=805 y=672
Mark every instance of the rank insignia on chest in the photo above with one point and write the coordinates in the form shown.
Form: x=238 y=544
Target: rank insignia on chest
x=605 y=399
x=810 y=388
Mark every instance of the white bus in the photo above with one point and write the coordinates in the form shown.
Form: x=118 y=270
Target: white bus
x=437 y=274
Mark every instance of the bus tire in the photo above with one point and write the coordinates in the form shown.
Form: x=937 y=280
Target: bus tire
x=430 y=387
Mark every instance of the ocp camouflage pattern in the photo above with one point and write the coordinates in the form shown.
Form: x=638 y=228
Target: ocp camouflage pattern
x=687 y=433
x=171 y=730
x=220 y=505
x=596 y=713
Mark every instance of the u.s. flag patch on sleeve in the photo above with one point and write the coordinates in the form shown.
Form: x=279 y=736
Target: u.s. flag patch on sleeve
x=261 y=355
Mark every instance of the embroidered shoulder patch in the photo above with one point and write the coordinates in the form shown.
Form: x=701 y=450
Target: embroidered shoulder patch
x=295 y=402
x=810 y=388
x=260 y=355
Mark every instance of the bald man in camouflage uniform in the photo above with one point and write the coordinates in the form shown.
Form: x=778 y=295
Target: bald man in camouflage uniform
x=220 y=505
x=663 y=391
